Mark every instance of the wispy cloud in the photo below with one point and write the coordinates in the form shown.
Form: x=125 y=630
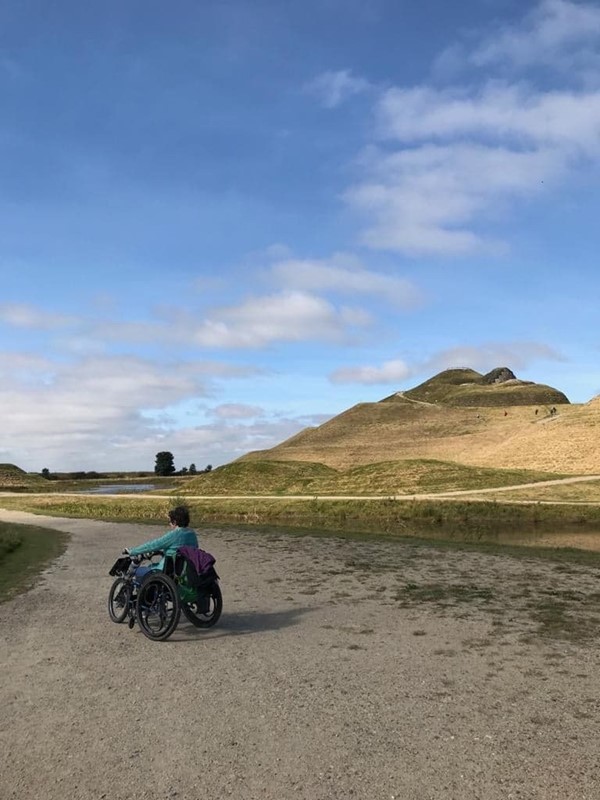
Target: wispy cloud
x=111 y=409
x=442 y=160
x=118 y=412
x=485 y=357
x=514 y=114
x=346 y=275
x=22 y=315
x=334 y=87
x=549 y=34
x=290 y=316
x=237 y=411
x=389 y=372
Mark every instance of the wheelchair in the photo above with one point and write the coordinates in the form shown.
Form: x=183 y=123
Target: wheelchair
x=155 y=598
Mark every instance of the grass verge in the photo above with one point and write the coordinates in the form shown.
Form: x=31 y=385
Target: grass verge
x=475 y=522
x=25 y=550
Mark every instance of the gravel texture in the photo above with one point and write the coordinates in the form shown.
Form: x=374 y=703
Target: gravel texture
x=339 y=669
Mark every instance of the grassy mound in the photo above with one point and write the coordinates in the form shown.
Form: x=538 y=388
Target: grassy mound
x=14 y=479
x=384 y=478
x=25 y=550
x=259 y=477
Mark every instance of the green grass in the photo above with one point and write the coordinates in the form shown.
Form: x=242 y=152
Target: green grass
x=421 y=476
x=25 y=550
x=262 y=477
x=475 y=522
x=411 y=476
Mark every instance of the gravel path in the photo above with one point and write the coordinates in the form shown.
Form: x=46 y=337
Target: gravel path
x=339 y=669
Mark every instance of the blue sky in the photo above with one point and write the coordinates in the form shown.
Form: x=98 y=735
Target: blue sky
x=224 y=221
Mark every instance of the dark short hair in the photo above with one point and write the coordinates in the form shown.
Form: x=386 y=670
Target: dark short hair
x=180 y=516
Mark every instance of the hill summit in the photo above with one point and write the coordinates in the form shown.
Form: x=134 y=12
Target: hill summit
x=466 y=387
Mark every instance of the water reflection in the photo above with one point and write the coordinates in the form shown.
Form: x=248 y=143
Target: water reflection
x=576 y=538
x=126 y=488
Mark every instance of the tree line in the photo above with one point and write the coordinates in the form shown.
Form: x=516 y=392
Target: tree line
x=164 y=466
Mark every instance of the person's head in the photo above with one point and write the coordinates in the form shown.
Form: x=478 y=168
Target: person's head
x=179 y=516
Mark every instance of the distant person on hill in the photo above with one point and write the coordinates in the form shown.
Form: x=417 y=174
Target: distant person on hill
x=179 y=535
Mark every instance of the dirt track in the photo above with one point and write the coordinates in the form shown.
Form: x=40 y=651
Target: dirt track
x=325 y=678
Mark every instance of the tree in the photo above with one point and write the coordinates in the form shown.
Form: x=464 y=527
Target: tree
x=208 y=468
x=45 y=473
x=164 y=463
x=193 y=469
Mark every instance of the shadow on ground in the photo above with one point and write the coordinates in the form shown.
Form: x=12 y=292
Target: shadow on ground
x=242 y=624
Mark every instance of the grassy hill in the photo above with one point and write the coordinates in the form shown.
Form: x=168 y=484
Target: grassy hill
x=461 y=417
x=14 y=479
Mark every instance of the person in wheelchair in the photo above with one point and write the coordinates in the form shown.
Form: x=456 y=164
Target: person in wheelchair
x=179 y=535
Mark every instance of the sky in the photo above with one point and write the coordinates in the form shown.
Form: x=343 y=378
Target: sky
x=223 y=222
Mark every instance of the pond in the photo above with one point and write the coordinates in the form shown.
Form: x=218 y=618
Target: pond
x=125 y=488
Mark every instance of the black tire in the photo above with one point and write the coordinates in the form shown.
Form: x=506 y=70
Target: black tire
x=118 y=600
x=203 y=617
x=158 y=607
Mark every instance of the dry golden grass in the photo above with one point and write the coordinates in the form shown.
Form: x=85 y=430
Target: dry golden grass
x=512 y=438
x=585 y=492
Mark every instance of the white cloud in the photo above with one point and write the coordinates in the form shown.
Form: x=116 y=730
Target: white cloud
x=92 y=413
x=343 y=274
x=22 y=315
x=236 y=411
x=216 y=443
x=485 y=357
x=551 y=30
x=388 y=372
x=447 y=159
x=290 y=316
x=461 y=156
x=421 y=200
x=334 y=87
x=520 y=116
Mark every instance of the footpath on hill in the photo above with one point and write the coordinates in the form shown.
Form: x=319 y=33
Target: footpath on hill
x=339 y=669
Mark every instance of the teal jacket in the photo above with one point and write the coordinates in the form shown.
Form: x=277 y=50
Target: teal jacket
x=168 y=543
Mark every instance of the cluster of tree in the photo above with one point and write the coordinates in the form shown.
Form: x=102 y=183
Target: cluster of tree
x=165 y=466
x=75 y=476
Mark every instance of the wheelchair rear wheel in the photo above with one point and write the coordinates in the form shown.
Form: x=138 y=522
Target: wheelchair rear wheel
x=205 y=612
